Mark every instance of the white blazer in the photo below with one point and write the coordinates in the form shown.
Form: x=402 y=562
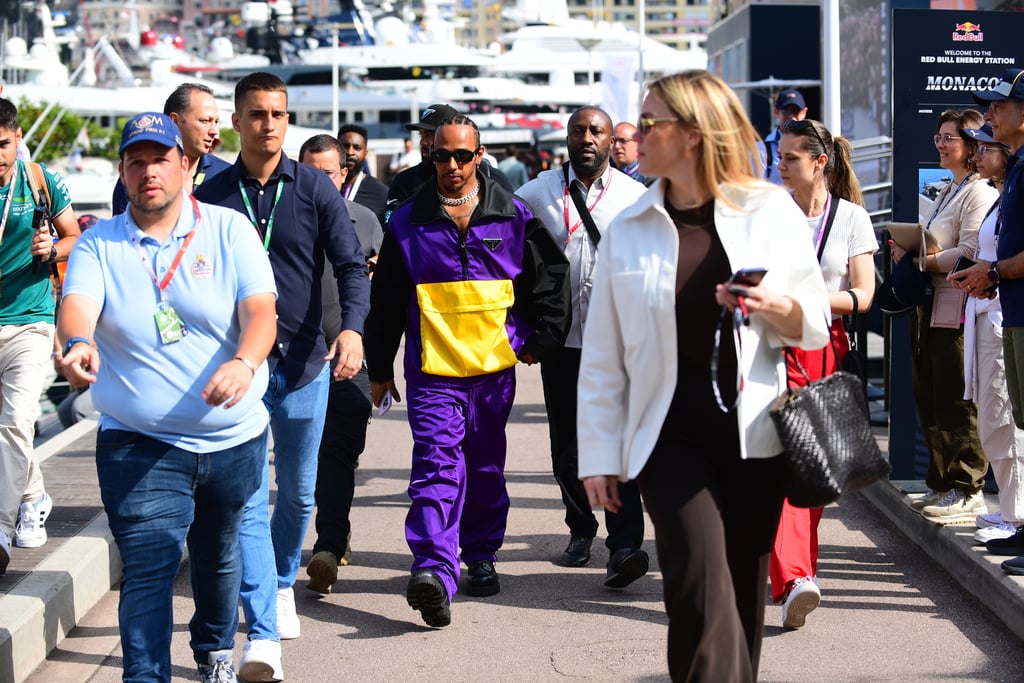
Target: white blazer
x=629 y=364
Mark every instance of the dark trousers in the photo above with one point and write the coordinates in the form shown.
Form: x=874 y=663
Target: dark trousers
x=559 y=373
x=343 y=441
x=949 y=423
x=714 y=519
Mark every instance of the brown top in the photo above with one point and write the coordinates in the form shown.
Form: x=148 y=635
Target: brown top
x=694 y=415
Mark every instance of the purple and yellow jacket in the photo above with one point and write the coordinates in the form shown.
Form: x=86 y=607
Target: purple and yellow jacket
x=470 y=304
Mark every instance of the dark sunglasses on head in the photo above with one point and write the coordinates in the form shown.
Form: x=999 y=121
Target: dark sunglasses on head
x=462 y=156
x=794 y=126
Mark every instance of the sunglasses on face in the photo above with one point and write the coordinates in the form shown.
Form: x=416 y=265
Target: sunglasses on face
x=795 y=126
x=644 y=124
x=462 y=156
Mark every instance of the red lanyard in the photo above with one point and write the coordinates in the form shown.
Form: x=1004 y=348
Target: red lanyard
x=162 y=284
x=565 y=207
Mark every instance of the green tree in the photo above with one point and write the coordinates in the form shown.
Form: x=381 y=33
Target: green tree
x=58 y=131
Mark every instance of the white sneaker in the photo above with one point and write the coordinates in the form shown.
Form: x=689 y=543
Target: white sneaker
x=30 y=531
x=989 y=519
x=956 y=507
x=261 y=662
x=221 y=669
x=1004 y=530
x=5 y=551
x=930 y=498
x=288 y=627
x=801 y=601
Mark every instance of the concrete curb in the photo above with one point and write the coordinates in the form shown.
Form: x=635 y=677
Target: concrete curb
x=953 y=548
x=44 y=606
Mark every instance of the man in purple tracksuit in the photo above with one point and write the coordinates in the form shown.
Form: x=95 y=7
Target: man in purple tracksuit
x=476 y=283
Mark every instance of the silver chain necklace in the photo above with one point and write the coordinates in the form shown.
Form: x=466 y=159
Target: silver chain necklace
x=461 y=200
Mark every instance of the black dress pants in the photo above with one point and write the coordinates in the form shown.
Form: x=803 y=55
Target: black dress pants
x=714 y=519
x=559 y=373
x=344 y=438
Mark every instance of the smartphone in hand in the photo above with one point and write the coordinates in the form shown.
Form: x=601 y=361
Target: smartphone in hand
x=744 y=278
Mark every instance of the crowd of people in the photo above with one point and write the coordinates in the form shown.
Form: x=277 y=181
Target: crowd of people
x=281 y=291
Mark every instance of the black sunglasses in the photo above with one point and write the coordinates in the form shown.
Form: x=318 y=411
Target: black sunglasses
x=794 y=126
x=462 y=156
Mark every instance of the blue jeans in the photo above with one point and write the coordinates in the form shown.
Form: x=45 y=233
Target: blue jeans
x=152 y=492
x=272 y=548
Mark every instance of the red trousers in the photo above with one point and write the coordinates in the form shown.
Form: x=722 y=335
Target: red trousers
x=795 y=554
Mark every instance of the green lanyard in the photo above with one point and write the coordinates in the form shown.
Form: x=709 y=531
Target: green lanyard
x=252 y=215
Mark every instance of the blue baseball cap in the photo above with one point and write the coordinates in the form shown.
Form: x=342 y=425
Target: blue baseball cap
x=790 y=98
x=151 y=126
x=1009 y=87
x=983 y=134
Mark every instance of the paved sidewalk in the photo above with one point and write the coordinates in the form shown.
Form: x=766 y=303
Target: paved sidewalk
x=563 y=623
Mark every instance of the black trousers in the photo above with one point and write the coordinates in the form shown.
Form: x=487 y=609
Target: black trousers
x=344 y=438
x=559 y=373
x=714 y=519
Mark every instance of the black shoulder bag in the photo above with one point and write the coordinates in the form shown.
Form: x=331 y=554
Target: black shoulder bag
x=579 y=198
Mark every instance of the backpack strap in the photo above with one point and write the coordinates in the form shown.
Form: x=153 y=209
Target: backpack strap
x=37 y=181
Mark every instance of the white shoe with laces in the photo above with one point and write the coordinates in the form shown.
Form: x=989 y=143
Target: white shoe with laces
x=261 y=662
x=956 y=507
x=5 y=551
x=988 y=519
x=803 y=598
x=221 y=669
x=288 y=627
x=1004 y=530
x=31 y=530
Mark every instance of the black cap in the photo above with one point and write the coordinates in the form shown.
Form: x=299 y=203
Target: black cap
x=432 y=116
x=1009 y=87
x=790 y=98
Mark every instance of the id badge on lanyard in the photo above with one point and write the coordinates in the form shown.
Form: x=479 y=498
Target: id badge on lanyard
x=169 y=324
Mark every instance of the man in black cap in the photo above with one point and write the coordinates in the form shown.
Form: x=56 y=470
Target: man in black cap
x=789 y=106
x=406 y=183
x=1005 y=113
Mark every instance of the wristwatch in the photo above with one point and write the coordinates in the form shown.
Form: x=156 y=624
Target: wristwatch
x=993 y=272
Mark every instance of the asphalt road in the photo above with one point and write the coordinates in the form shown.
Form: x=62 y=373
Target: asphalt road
x=888 y=612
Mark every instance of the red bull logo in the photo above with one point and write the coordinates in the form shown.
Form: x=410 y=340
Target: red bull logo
x=968 y=32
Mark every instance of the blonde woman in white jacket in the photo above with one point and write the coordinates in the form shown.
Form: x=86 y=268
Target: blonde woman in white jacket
x=705 y=460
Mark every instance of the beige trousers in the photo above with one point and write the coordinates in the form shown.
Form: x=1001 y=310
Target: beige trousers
x=25 y=352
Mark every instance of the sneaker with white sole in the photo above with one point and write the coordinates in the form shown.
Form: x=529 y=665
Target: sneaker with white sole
x=288 y=627
x=803 y=598
x=5 y=551
x=30 y=531
x=261 y=662
x=1004 y=530
x=930 y=498
x=988 y=519
x=956 y=507
x=221 y=668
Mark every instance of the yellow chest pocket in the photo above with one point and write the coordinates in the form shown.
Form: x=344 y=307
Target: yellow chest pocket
x=462 y=327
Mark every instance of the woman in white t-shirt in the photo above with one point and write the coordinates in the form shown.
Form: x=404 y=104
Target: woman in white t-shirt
x=816 y=168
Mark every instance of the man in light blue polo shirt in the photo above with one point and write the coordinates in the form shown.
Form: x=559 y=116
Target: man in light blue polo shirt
x=179 y=299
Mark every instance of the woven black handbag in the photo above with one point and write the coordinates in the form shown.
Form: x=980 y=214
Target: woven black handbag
x=826 y=436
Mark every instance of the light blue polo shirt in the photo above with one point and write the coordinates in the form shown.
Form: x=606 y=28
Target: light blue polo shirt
x=144 y=385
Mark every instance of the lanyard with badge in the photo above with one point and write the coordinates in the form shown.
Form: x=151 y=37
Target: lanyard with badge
x=252 y=214
x=7 y=203
x=565 y=204
x=168 y=322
